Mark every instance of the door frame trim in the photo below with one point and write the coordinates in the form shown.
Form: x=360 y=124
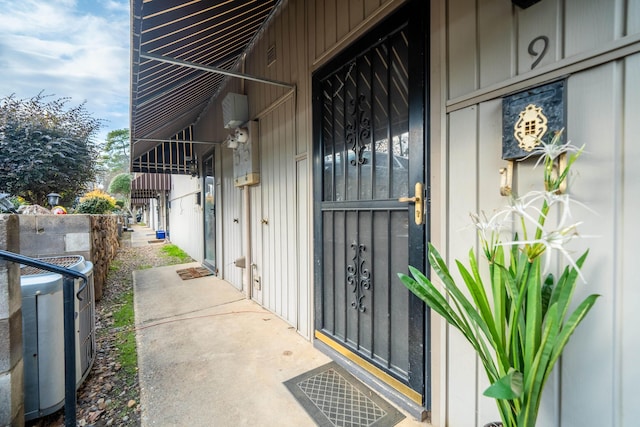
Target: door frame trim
x=213 y=267
x=402 y=388
x=416 y=15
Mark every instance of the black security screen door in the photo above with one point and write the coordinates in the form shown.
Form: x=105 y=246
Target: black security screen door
x=370 y=152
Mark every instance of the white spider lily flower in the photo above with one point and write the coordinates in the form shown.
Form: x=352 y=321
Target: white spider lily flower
x=551 y=150
x=489 y=228
x=555 y=241
x=520 y=207
x=565 y=201
x=553 y=198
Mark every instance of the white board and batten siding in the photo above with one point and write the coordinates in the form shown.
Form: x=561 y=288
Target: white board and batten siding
x=230 y=220
x=280 y=223
x=282 y=281
x=301 y=36
x=154 y=220
x=281 y=274
x=185 y=216
x=486 y=47
x=274 y=216
x=229 y=201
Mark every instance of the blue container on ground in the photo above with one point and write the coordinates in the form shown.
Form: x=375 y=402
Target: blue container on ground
x=160 y=234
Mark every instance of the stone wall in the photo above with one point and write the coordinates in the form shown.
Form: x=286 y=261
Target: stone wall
x=55 y=235
x=11 y=363
x=95 y=237
x=105 y=242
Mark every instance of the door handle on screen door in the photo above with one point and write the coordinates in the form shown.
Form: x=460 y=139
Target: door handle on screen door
x=418 y=199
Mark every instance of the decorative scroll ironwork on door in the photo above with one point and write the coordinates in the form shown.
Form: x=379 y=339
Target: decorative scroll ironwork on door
x=368 y=115
x=358 y=129
x=358 y=276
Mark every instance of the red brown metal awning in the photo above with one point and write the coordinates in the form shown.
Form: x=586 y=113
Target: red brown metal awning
x=149 y=186
x=182 y=52
x=171 y=156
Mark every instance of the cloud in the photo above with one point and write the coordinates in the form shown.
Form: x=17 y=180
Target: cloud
x=117 y=6
x=70 y=49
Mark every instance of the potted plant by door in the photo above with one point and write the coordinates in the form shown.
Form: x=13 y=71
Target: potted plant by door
x=520 y=322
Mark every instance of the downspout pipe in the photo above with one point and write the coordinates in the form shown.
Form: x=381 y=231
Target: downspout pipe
x=248 y=277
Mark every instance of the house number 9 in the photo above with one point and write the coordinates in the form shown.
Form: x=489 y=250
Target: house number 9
x=541 y=54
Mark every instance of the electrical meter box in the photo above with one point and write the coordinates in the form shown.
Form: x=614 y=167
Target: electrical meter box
x=235 y=110
x=246 y=159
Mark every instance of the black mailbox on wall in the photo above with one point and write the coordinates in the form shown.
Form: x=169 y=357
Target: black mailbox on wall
x=531 y=114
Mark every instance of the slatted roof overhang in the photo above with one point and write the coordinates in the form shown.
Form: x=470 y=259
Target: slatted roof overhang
x=148 y=186
x=181 y=54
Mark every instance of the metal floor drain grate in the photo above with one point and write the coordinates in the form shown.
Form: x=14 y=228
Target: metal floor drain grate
x=340 y=401
x=334 y=398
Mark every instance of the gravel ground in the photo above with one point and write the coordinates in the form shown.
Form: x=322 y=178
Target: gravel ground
x=110 y=396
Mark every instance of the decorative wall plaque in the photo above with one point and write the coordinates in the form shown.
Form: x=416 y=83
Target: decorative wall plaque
x=529 y=115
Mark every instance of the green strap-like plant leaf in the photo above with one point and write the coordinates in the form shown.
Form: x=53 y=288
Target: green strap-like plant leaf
x=535 y=374
x=533 y=315
x=547 y=290
x=508 y=387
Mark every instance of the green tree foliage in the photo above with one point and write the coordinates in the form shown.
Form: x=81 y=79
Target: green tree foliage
x=94 y=205
x=96 y=202
x=46 y=147
x=121 y=184
x=115 y=157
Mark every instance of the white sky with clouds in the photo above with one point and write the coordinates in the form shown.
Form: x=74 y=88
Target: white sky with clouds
x=69 y=48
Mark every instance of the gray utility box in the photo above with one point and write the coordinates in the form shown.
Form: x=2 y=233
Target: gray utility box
x=43 y=333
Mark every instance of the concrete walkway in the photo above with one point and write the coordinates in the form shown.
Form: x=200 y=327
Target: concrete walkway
x=209 y=357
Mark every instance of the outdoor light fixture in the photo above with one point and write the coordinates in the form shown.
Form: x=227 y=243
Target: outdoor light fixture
x=53 y=199
x=193 y=167
x=242 y=135
x=232 y=141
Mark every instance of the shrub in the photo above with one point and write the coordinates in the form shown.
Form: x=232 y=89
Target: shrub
x=100 y=194
x=94 y=205
x=96 y=202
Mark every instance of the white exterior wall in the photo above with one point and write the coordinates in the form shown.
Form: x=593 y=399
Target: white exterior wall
x=154 y=223
x=185 y=216
x=279 y=218
x=595 y=43
x=478 y=55
x=230 y=220
x=281 y=246
x=274 y=216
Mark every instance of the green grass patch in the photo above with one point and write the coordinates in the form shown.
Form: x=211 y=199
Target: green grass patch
x=123 y=322
x=115 y=265
x=124 y=316
x=175 y=254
